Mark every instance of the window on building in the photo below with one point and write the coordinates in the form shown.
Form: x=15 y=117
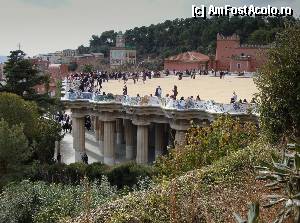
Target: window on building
x=238 y=66
x=242 y=54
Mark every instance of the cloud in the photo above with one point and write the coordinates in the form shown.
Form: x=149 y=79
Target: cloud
x=47 y=3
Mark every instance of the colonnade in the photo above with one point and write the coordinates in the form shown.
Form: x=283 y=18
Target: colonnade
x=131 y=139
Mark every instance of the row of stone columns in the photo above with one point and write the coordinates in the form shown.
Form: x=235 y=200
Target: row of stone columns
x=112 y=133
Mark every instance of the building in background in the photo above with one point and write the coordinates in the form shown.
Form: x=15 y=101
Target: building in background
x=122 y=55
x=230 y=56
x=39 y=64
x=53 y=58
x=69 y=53
x=234 y=57
x=94 y=59
x=187 y=61
x=57 y=72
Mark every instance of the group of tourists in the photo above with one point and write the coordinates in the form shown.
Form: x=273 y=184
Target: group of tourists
x=65 y=121
x=95 y=79
x=92 y=83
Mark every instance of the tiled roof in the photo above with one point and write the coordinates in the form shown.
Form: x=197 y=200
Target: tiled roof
x=189 y=57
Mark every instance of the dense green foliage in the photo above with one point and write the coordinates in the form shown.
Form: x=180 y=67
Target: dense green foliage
x=40 y=202
x=128 y=174
x=179 y=35
x=208 y=144
x=14 y=148
x=21 y=77
x=123 y=175
x=190 y=197
x=279 y=87
x=25 y=136
x=16 y=111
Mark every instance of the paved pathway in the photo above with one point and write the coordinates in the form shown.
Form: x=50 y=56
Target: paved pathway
x=92 y=149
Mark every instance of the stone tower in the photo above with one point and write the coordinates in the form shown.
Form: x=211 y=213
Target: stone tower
x=120 y=40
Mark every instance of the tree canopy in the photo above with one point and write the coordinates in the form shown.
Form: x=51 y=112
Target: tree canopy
x=21 y=77
x=279 y=86
x=14 y=147
x=179 y=35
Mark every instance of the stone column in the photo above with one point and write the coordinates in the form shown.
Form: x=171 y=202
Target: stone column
x=130 y=132
x=97 y=129
x=181 y=127
x=180 y=137
x=78 y=136
x=109 y=142
x=159 y=139
x=142 y=144
x=101 y=136
x=57 y=151
x=119 y=135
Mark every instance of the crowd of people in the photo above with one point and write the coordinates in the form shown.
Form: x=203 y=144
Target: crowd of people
x=92 y=82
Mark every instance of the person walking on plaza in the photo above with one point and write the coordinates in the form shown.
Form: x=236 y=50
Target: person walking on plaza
x=158 y=92
x=125 y=90
x=175 y=92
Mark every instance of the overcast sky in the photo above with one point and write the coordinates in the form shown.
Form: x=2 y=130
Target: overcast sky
x=43 y=26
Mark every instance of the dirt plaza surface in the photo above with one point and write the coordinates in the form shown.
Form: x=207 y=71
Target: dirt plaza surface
x=207 y=87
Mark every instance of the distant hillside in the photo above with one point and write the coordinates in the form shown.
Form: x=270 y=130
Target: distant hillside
x=3 y=59
x=172 y=37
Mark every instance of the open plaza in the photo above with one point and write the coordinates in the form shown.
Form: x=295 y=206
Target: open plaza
x=206 y=86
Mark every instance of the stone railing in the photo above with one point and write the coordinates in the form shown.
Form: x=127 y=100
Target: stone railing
x=165 y=103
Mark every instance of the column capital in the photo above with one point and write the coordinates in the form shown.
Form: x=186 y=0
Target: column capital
x=77 y=115
x=141 y=121
x=180 y=125
x=107 y=117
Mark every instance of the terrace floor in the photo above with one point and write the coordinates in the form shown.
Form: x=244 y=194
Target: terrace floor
x=207 y=87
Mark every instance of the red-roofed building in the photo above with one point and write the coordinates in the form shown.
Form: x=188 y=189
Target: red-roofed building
x=230 y=56
x=187 y=61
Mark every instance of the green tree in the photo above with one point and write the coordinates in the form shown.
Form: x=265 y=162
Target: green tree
x=40 y=132
x=14 y=147
x=87 y=68
x=48 y=131
x=279 y=87
x=15 y=110
x=21 y=77
x=83 y=50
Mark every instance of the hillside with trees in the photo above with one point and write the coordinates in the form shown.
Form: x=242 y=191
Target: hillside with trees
x=180 y=35
x=210 y=178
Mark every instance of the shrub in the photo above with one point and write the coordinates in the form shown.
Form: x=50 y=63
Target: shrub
x=128 y=174
x=95 y=171
x=123 y=175
x=278 y=84
x=205 y=145
x=40 y=202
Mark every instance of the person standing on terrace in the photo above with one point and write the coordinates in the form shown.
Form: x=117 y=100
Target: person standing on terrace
x=175 y=92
